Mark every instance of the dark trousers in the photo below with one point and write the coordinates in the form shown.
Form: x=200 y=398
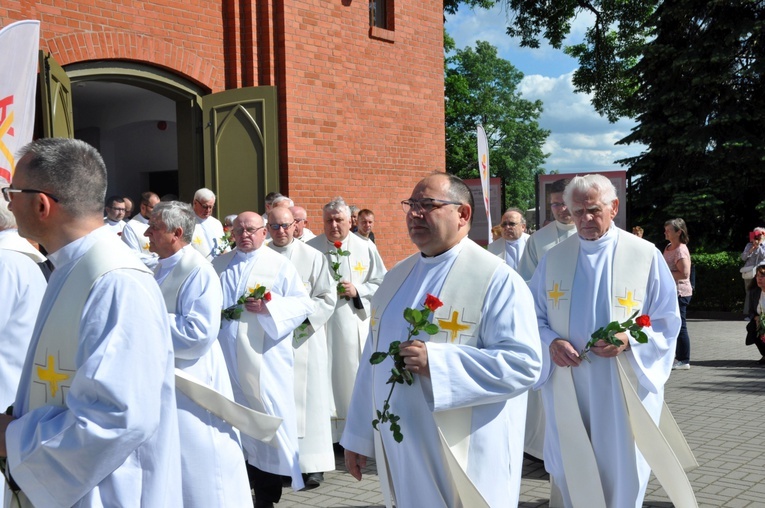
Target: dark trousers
x=683 y=346
x=267 y=486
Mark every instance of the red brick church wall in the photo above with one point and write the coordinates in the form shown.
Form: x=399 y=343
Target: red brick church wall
x=361 y=114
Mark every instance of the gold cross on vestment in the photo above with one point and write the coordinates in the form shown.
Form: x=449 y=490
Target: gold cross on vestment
x=628 y=303
x=556 y=294
x=197 y=240
x=51 y=376
x=360 y=268
x=373 y=318
x=453 y=326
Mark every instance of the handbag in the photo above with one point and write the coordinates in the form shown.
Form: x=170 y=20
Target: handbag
x=751 y=332
x=747 y=272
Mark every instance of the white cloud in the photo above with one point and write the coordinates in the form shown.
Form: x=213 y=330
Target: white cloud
x=580 y=139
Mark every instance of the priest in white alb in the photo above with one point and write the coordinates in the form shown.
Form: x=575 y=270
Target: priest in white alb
x=212 y=462
x=312 y=393
x=95 y=421
x=257 y=345
x=209 y=233
x=511 y=245
x=462 y=418
x=593 y=444
x=550 y=235
x=133 y=232
x=360 y=273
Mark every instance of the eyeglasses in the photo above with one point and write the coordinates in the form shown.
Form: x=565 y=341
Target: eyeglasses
x=8 y=192
x=557 y=204
x=510 y=224
x=249 y=231
x=204 y=206
x=275 y=227
x=425 y=205
x=300 y=220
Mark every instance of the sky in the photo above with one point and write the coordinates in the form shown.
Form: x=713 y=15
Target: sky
x=580 y=139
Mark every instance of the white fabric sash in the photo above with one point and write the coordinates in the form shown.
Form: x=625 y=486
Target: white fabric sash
x=54 y=359
x=12 y=241
x=631 y=266
x=253 y=423
x=459 y=320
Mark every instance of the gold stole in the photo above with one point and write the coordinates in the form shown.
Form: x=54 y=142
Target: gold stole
x=459 y=321
x=663 y=446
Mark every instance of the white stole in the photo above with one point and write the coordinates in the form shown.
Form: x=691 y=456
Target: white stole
x=459 y=321
x=631 y=266
x=12 y=241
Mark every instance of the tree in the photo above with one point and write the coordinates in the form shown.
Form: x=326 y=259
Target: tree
x=481 y=88
x=701 y=97
x=691 y=73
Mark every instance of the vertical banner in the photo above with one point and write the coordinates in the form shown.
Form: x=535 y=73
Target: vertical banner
x=483 y=170
x=19 y=44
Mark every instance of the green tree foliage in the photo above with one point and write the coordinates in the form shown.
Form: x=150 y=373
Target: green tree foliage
x=701 y=104
x=451 y=6
x=691 y=73
x=481 y=88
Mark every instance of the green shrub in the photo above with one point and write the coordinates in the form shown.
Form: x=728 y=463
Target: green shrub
x=719 y=286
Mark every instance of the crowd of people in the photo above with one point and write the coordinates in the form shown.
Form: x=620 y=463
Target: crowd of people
x=174 y=360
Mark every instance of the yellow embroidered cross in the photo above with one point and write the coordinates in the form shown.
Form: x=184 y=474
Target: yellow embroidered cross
x=556 y=294
x=452 y=325
x=360 y=268
x=145 y=246
x=50 y=376
x=197 y=240
x=373 y=318
x=628 y=303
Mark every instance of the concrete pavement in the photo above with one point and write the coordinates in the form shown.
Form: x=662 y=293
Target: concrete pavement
x=719 y=404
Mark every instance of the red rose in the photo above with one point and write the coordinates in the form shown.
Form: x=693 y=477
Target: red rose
x=338 y=244
x=643 y=321
x=267 y=296
x=432 y=302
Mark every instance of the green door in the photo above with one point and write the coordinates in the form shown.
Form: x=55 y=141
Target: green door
x=56 y=99
x=241 y=149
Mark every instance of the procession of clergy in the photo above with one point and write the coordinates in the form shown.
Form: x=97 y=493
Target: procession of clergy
x=248 y=363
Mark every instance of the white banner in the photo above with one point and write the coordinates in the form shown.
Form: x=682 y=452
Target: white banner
x=19 y=44
x=483 y=169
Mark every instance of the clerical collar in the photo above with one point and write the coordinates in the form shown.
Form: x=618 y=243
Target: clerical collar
x=281 y=250
x=564 y=227
x=112 y=222
x=247 y=255
x=593 y=245
x=171 y=261
x=79 y=247
x=140 y=218
x=444 y=256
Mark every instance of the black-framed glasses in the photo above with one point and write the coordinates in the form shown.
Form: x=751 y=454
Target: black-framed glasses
x=275 y=227
x=8 y=192
x=249 y=231
x=204 y=206
x=557 y=204
x=425 y=205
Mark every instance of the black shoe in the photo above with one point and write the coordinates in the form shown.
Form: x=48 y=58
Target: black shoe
x=313 y=480
x=263 y=504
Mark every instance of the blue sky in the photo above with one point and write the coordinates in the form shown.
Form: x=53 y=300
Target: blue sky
x=580 y=139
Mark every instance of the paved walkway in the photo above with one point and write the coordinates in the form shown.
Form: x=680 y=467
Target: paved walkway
x=719 y=404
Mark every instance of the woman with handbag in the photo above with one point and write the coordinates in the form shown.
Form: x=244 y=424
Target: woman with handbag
x=753 y=255
x=755 y=330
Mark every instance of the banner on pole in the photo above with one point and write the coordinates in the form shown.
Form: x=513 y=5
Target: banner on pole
x=19 y=44
x=483 y=170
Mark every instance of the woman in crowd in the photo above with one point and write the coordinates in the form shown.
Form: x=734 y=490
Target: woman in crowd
x=755 y=331
x=679 y=260
x=753 y=255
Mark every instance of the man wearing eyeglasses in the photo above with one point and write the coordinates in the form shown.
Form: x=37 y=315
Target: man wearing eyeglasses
x=257 y=346
x=309 y=344
x=133 y=232
x=209 y=232
x=514 y=237
x=115 y=213
x=550 y=235
x=601 y=435
x=95 y=420
x=360 y=274
x=302 y=232
x=462 y=418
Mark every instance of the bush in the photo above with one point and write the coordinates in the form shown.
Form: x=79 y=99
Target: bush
x=719 y=285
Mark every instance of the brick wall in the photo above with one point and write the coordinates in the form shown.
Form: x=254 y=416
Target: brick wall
x=360 y=116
